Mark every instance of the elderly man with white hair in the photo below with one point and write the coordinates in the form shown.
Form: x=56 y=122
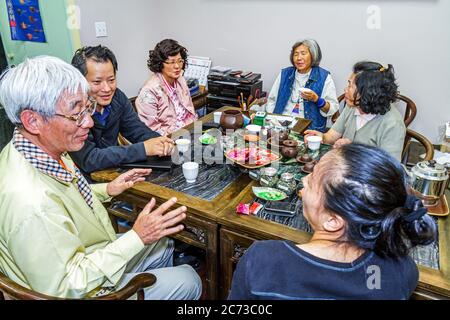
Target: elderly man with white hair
x=55 y=235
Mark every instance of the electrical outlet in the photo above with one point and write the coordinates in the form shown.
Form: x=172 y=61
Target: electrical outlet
x=100 y=29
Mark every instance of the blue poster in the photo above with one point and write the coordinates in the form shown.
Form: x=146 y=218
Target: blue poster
x=25 y=20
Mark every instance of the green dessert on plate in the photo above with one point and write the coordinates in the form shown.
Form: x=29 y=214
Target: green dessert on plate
x=270 y=194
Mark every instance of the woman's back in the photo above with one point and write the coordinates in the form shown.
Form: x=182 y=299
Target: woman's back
x=281 y=270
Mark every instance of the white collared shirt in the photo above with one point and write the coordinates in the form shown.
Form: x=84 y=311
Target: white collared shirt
x=362 y=118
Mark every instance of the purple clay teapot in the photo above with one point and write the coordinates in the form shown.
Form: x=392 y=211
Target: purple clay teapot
x=231 y=119
x=289 y=148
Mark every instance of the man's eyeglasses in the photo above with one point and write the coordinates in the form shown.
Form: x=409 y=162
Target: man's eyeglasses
x=81 y=116
x=178 y=62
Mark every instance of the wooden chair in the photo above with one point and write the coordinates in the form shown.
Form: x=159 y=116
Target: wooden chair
x=410 y=109
x=133 y=103
x=409 y=114
x=337 y=113
x=122 y=140
x=14 y=291
x=426 y=145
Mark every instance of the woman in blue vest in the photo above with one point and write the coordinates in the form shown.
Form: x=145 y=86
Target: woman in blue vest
x=304 y=90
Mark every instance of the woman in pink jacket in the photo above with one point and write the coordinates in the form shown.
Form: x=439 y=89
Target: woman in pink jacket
x=164 y=103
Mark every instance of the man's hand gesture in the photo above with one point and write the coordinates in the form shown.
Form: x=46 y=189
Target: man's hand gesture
x=154 y=225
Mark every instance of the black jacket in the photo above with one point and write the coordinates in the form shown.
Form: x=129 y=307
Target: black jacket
x=101 y=149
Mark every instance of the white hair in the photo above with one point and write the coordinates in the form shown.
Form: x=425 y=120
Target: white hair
x=314 y=49
x=37 y=84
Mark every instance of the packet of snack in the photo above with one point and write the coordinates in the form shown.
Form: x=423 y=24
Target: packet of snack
x=255 y=207
x=243 y=208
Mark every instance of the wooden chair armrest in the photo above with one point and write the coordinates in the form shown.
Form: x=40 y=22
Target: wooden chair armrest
x=17 y=292
x=429 y=148
x=136 y=285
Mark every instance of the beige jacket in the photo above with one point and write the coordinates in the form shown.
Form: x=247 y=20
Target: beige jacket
x=50 y=239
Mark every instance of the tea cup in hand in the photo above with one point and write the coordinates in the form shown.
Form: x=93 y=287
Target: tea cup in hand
x=313 y=142
x=305 y=90
x=183 y=144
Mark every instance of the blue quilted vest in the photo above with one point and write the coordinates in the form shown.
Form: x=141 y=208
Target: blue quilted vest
x=315 y=82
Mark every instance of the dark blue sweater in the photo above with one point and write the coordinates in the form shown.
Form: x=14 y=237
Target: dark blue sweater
x=280 y=270
x=101 y=149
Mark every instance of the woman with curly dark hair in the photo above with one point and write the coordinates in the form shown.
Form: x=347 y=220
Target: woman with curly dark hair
x=164 y=103
x=369 y=116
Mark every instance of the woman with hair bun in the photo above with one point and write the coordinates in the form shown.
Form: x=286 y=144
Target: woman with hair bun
x=164 y=103
x=364 y=224
x=369 y=116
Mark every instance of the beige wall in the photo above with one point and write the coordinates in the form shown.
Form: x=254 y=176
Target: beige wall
x=257 y=35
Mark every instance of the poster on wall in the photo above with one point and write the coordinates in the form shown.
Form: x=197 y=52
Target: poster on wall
x=25 y=20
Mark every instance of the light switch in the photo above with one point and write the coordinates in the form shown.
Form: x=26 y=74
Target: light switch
x=100 y=29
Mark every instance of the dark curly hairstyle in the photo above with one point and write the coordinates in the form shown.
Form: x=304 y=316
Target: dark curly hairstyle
x=376 y=87
x=98 y=54
x=163 y=50
x=366 y=186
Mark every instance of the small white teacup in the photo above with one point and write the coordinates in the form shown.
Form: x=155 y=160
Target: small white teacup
x=190 y=171
x=217 y=116
x=305 y=90
x=253 y=129
x=313 y=142
x=183 y=144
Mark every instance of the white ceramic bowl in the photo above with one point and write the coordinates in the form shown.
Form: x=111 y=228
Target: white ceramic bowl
x=190 y=171
x=183 y=144
x=313 y=142
x=253 y=128
x=217 y=116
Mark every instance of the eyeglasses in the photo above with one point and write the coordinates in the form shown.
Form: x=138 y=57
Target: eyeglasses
x=81 y=116
x=178 y=62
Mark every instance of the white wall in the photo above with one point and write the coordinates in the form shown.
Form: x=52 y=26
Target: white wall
x=257 y=35
x=133 y=27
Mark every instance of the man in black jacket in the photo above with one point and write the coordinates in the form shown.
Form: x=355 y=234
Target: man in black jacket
x=113 y=115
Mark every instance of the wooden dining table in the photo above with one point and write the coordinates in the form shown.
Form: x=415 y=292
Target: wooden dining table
x=213 y=225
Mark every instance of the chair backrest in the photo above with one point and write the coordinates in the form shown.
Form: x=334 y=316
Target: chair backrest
x=133 y=103
x=409 y=114
x=337 y=113
x=15 y=291
x=122 y=140
x=410 y=109
x=422 y=140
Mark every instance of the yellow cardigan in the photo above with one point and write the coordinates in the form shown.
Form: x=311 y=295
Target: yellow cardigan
x=50 y=240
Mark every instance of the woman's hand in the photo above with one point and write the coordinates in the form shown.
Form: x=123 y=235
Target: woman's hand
x=329 y=137
x=126 y=181
x=313 y=133
x=309 y=95
x=309 y=133
x=340 y=142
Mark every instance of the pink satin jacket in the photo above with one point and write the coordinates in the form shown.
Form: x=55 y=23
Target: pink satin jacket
x=157 y=110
